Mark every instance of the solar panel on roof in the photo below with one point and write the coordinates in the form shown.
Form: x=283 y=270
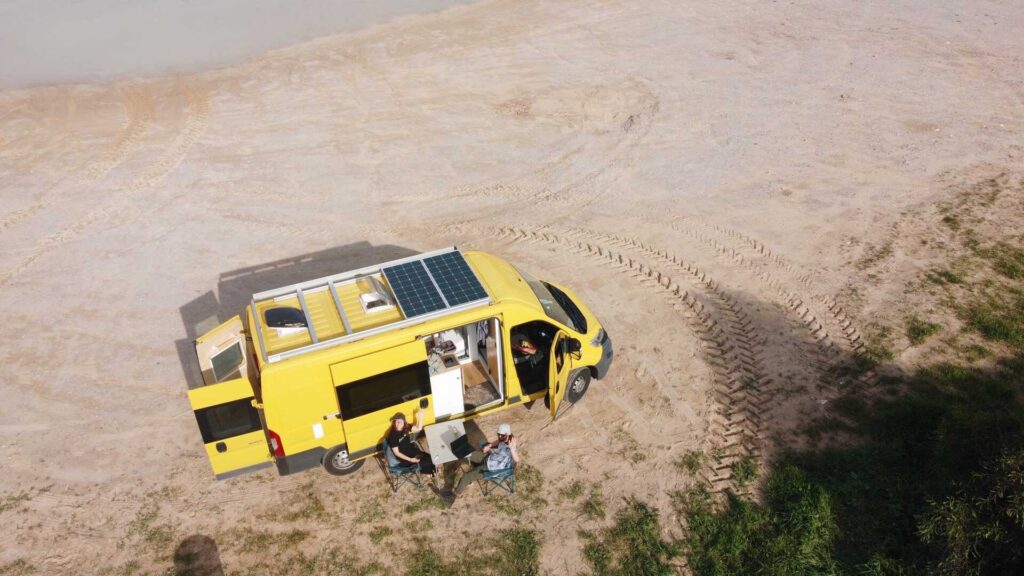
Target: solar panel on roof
x=413 y=289
x=455 y=278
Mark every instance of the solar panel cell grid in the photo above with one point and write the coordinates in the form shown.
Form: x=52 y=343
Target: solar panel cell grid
x=455 y=278
x=413 y=289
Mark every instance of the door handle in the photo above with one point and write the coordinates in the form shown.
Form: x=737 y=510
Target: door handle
x=221 y=447
x=424 y=402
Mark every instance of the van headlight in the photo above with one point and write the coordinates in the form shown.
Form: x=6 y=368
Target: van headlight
x=598 y=338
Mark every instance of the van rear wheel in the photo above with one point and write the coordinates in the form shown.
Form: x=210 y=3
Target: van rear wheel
x=337 y=462
x=578 y=385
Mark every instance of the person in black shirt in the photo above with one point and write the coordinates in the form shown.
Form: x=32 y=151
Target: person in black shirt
x=401 y=441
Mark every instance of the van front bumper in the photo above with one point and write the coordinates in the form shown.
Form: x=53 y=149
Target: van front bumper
x=607 y=355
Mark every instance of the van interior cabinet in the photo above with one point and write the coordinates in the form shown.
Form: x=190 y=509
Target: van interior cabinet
x=446 y=386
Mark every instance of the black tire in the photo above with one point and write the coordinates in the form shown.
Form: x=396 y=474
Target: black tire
x=337 y=465
x=579 y=383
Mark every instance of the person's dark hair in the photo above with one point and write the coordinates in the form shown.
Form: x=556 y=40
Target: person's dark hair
x=398 y=416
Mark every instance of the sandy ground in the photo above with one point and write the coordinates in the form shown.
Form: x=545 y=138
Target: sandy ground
x=710 y=177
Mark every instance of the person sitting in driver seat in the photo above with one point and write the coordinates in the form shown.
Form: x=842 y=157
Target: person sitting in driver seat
x=523 y=349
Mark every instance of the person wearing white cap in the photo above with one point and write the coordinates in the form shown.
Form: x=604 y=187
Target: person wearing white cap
x=497 y=455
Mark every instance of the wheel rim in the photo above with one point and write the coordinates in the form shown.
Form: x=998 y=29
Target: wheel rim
x=578 y=384
x=341 y=462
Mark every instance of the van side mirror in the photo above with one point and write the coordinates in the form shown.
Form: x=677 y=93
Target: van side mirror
x=573 y=347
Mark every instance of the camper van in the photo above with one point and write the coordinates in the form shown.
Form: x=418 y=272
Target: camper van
x=310 y=374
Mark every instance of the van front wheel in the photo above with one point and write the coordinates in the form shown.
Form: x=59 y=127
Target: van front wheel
x=337 y=463
x=578 y=385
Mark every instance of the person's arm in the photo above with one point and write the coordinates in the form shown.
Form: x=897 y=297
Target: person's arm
x=418 y=424
x=512 y=446
x=400 y=456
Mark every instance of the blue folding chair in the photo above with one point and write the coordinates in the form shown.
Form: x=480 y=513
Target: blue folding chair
x=491 y=479
x=398 y=472
x=504 y=479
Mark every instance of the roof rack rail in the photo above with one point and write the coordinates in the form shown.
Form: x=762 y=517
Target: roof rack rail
x=424 y=286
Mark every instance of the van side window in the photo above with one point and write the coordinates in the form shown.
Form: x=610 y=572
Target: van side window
x=228 y=420
x=383 y=390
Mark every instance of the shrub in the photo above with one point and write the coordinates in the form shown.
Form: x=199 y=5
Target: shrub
x=633 y=545
x=920 y=330
x=792 y=533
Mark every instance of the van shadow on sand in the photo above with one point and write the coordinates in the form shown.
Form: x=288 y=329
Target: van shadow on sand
x=236 y=287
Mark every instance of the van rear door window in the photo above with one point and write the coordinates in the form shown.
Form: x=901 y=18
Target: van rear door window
x=228 y=420
x=226 y=362
x=383 y=390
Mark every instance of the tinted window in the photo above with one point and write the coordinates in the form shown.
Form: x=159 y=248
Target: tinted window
x=578 y=321
x=547 y=300
x=228 y=420
x=384 y=390
x=226 y=361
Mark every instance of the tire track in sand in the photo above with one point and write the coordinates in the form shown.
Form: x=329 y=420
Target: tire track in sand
x=138 y=107
x=730 y=343
x=834 y=315
x=139 y=110
x=194 y=126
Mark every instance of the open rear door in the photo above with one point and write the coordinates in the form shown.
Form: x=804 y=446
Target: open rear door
x=228 y=421
x=559 y=372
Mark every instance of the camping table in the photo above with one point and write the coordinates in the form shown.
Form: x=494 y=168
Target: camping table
x=440 y=438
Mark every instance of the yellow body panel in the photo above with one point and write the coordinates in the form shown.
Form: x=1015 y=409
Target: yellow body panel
x=299 y=394
x=242 y=453
x=221 y=393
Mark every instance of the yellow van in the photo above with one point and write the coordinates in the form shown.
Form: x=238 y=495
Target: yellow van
x=311 y=373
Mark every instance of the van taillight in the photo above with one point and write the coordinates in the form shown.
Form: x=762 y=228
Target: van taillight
x=275 y=444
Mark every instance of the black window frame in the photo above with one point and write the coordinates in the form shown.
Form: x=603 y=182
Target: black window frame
x=211 y=433
x=420 y=372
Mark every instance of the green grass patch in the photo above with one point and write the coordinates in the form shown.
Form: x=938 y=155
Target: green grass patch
x=690 y=462
x=571 y=491
x=249 y=540
x=378 y=534
x=147 y=531
x=919 y=330
x=792 y=533
x=975 y=352
x=370 y=512
x=1006 y=259
x=943 y=277
x=14 y=500
x=744 y=470
x=306 y=505
x=632 y=545
x=878 y=343
x=1000 y=319
x=426 y=501
x=514 y=552
x=18 y=567
x=873 y=255
x=628 y=448
x=529 y=483
x=592 y=506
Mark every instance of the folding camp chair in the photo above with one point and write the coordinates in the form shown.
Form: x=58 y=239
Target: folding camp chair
x=397 y=472
x=504 y=479
x=491 y=479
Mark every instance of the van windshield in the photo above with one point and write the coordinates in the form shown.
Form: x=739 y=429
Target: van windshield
x=554 y=301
